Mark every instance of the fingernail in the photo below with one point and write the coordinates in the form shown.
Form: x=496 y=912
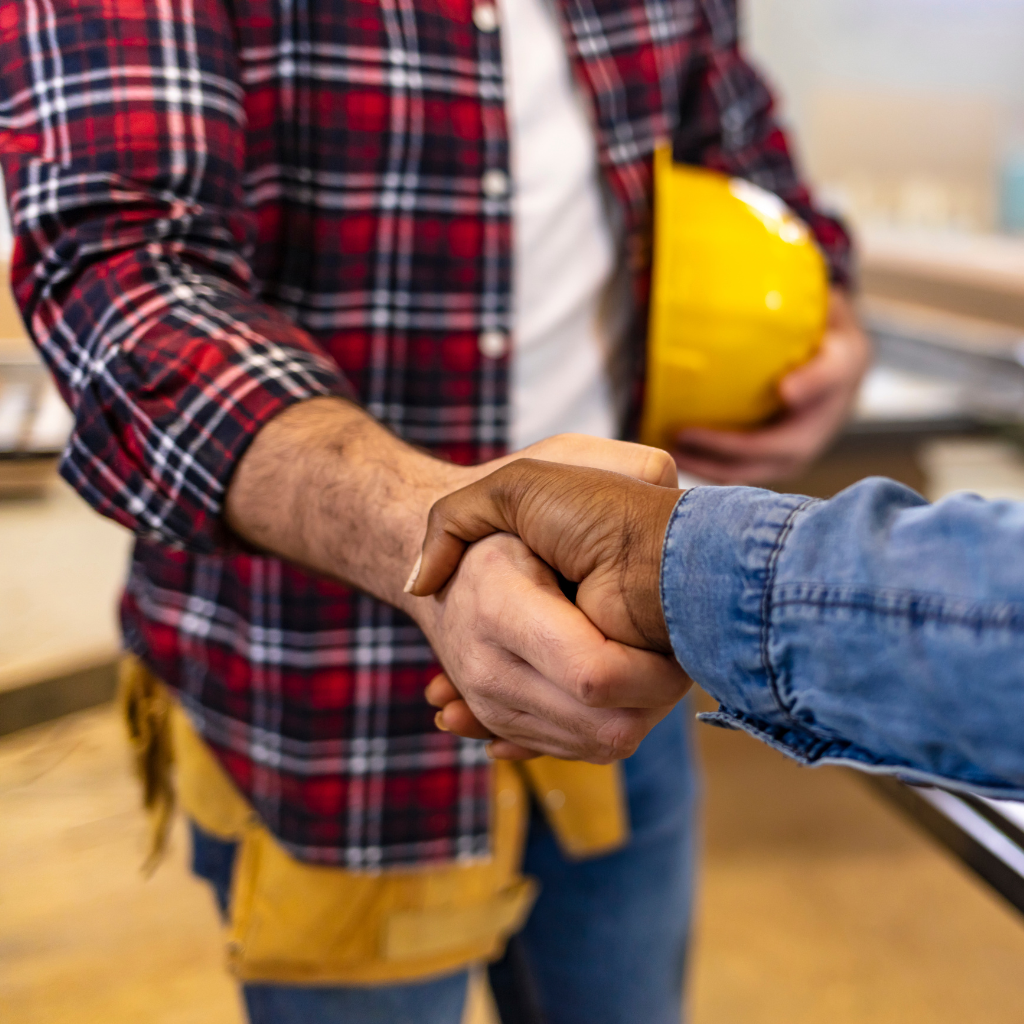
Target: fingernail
x=489 y=749
x=414 y=575
x=439 y=722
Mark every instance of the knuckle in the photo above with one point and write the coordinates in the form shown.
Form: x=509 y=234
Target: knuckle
x=436 y=519
x=619 y=738
x=659 y=466
x=561 y=444
x=479 y=679
x=486 y=557
x=587 y=682
x=506 y=721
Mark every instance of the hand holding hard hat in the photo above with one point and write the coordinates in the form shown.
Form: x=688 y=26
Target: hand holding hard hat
x=743 y=332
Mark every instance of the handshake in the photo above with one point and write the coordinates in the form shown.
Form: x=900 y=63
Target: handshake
x=594 y=676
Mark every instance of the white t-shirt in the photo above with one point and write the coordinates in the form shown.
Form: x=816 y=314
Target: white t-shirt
x=565 y=246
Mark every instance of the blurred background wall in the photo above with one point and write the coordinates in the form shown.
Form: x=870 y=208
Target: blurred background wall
x=909 y=112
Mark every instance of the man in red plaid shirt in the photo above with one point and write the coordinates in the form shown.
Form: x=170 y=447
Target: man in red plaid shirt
x=266 y=248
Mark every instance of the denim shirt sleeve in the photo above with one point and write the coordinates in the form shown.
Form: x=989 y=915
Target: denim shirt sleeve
x=873 y=630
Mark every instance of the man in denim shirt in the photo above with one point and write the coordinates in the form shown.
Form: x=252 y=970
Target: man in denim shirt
x=874 y=630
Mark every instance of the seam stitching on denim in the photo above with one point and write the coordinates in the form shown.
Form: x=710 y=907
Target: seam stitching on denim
x=766 y=600
x=979 y=621
x=664 y=557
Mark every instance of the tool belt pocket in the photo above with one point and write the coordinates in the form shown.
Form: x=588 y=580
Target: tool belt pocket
x=299 y=923
x=293 y=922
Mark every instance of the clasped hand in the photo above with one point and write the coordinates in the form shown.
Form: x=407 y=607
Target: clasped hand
x=585 y=683
x=605 y=675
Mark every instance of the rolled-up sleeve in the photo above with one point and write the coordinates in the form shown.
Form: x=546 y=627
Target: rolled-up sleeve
x=874 y=629
x=122 y=140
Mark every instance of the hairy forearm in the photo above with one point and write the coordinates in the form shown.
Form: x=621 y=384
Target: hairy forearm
x=326 y=486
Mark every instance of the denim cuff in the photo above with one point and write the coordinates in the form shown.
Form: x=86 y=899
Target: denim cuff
x=808 y=749
x=718 y=560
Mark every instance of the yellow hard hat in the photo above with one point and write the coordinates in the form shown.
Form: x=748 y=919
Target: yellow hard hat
x=739 y=297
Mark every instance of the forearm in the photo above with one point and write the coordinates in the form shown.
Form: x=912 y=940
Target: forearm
x=874 y=628
x=327 y=486
x=132 y=276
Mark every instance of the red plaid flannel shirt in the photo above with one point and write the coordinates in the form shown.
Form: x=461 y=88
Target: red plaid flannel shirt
x=222 y=207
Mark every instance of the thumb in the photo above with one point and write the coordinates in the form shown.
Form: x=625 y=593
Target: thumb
x=569 y=516
x=808 y=384
x=455 y=521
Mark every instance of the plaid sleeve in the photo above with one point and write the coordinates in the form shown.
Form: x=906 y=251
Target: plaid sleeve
x=727 y=122
x=122 y=141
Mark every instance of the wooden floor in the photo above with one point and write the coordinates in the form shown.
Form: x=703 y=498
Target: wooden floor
x=818 y=903
x=63 y=572
x=83 y=939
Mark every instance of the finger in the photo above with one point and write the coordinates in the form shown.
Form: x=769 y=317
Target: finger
x=440 y=691
x=457 y=718
x=652 y=465
x=729 y=474
x=609 y=674
x=456 y=521
x=564 y=646
x=616 y=735
x=723 y=446
x=785 y=450
x=794 y=438
x=521 y=706
x=829 y=371
x=503 y=750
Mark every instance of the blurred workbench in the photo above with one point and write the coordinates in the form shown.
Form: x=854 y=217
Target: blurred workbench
x=972 y=275
x=946 y=313
x=63 y=566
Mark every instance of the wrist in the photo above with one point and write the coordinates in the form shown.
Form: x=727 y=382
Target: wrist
x=327 y=486
x=398 y=485
x=642 y=576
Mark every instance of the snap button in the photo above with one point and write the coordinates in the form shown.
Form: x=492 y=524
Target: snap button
x=493 y=344
x=485 y=17
x=494 y=183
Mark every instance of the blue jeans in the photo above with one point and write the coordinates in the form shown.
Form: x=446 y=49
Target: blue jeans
x=605 y=944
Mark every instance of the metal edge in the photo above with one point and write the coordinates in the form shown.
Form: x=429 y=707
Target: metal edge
x=985 y=864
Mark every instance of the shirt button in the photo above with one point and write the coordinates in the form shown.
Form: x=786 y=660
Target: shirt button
x=493 y=344
x=495 y=184
x=485 y=17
